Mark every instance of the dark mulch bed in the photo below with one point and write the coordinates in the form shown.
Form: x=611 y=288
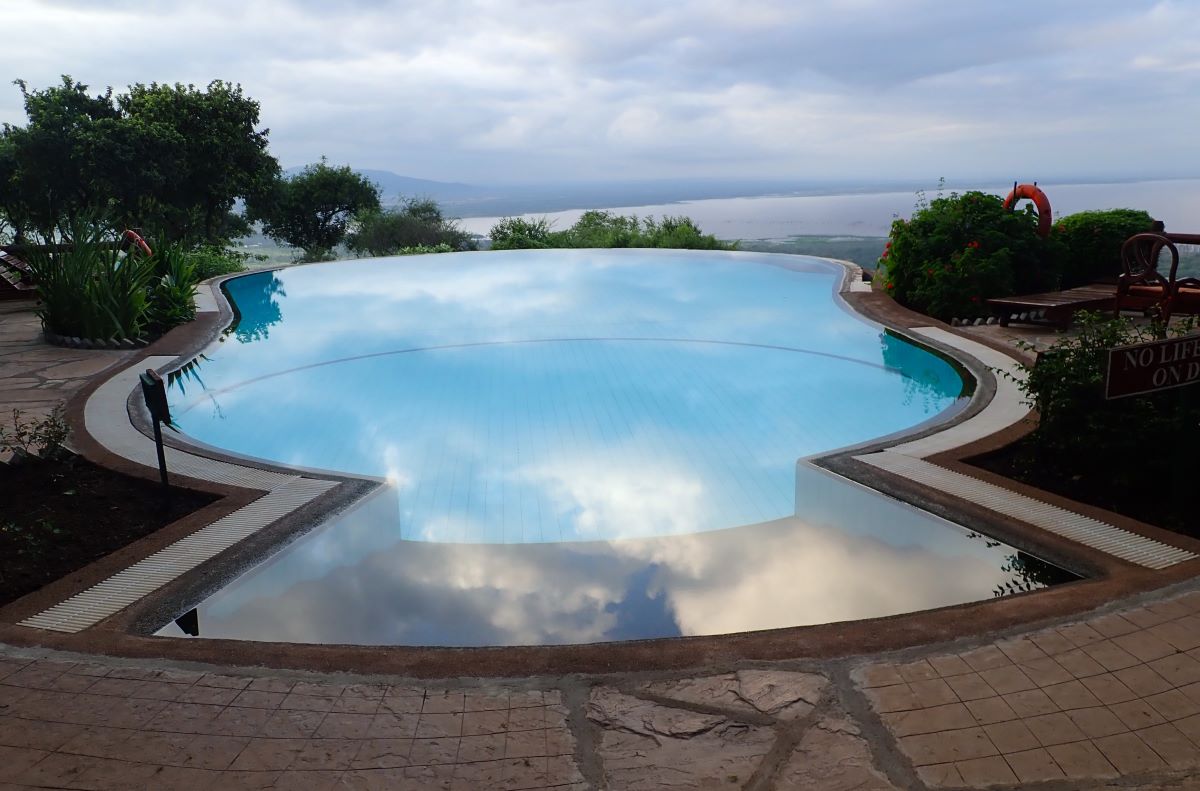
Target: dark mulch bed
x=1141 y=489
x=59 y=516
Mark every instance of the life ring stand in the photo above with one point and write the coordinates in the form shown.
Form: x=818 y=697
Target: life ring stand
x=133 y=238
x=1034 y=193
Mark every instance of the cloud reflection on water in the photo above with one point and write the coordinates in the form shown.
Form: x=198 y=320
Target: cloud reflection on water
x=855 y=554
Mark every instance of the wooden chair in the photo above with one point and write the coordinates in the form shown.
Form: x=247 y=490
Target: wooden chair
x=1143 y=287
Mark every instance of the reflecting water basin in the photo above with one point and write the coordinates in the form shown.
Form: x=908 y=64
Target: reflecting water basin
x=580 y=446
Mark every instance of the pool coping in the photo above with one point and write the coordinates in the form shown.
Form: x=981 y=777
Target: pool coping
x=1112 y=578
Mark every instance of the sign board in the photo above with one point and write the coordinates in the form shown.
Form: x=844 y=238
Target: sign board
x=1151 y=367
x=154 y=390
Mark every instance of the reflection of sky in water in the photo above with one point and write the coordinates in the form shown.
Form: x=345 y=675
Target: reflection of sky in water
x=853 y=554
x=558 y=395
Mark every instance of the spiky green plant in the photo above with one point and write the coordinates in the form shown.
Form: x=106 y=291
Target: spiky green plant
x=89 y=288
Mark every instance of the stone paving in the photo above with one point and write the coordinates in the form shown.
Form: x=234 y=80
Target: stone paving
x=36 y=377
x=1110 y=701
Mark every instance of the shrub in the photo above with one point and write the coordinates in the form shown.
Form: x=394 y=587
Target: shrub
x=1092 y=243
x=171 y=298
x=515 y=233
x=1112 y=447
x=213 y=261
x=34 y=437
x=679 y=233
x=604 y=229
x=89 y=289
x=958 y=251
x=416 y=225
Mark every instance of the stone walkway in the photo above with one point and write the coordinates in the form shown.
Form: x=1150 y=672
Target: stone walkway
x=1110 y=701
x=34 y=376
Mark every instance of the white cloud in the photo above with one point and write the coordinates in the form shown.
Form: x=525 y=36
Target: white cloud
x=489 y=90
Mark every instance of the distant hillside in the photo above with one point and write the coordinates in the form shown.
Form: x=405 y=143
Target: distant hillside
x=492 y=200
x=395 y=186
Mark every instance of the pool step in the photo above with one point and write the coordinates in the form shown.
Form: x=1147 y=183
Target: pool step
x=1085 y=530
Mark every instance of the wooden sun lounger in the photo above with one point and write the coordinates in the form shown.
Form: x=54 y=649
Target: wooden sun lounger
x=1055 y=307
x=16 y=279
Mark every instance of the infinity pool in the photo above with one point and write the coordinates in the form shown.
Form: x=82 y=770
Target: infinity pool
x=625 y=423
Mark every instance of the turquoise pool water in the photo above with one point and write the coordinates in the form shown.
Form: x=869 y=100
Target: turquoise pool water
x=581 y=446
x=532 y=396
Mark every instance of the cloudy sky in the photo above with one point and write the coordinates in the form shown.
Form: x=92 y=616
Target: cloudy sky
x=540 y=90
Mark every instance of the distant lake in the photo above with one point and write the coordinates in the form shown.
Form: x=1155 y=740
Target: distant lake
x=1176 y=202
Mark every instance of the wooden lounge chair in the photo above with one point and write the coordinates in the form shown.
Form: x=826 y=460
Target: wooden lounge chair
x=1143 y=287
x=16 y=278
x=1054 y=307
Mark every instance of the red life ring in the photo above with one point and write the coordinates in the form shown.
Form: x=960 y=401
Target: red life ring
x=1033 y=193
x=135 y=239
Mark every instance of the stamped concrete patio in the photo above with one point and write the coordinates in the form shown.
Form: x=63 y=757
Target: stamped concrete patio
x=1107 y=700
x=1104 y=702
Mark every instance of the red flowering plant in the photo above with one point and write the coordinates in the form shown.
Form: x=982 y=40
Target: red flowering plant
x=959 y=251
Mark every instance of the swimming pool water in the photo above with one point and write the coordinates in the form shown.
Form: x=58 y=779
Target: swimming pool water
x=529 y=397
x=581 y=446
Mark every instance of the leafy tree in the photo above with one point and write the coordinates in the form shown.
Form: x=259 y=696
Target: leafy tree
x=51 y=162
x=418 y=224
x=183 y=157
x=173 y=159
x=313 y=209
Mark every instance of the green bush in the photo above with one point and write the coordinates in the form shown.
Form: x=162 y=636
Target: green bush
x=41 y=437
x=1092 y=243
x=958 y=251
x=417 y=225
x=90 y=289
x=1107 y=450
x=515 y=233
x=173 y=292
x=210 y=261
x=604 y=229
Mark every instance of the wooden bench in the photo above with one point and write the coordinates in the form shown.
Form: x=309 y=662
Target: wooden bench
x=1055 y=307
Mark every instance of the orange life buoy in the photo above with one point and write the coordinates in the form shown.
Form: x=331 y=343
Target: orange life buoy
x=1033 y=193
x=135 y=239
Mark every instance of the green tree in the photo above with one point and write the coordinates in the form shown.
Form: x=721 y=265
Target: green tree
x=313 y=209
x=170 y=158
x=52 y=161
x=416 y=223
x=182 y=157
